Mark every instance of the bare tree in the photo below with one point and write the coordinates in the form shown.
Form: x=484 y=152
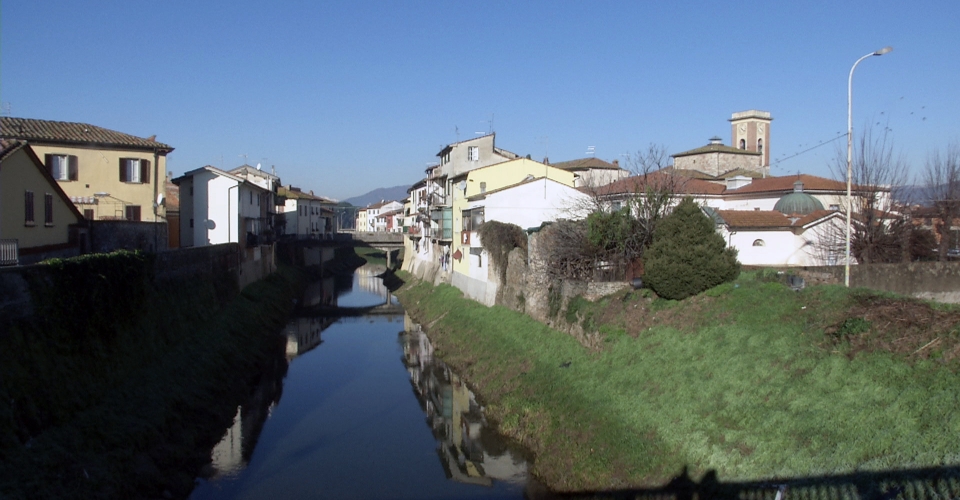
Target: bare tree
x=877 y=171
x=941 y=188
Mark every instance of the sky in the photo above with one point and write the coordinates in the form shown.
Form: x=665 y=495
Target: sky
x=342 y=97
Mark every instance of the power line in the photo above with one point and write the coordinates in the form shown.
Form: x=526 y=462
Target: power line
x=779 y=160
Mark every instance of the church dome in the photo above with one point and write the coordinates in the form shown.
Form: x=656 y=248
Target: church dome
x=798 y=203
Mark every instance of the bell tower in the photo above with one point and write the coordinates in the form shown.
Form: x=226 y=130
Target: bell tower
x=750 y=130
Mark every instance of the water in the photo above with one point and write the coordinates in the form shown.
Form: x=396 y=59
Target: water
x=364 y=411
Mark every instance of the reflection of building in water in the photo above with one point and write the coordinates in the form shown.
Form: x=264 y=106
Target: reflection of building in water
x=233 y=452
x=320 y=293
x=469 y=450
x=303 y=334
x=368 y=280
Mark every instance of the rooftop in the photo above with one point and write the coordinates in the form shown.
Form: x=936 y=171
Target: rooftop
x=33 y=130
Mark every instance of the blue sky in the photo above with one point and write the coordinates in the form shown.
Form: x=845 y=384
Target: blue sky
x=345 y=97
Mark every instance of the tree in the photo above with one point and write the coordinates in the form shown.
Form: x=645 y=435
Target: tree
x=877 y=171
x=941 y=188
x=688 y=256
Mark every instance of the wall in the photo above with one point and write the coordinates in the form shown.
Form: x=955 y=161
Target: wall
x=937 y=281
x=99 y=172
x=212 y=264
x=20 y=174
x=109 y=235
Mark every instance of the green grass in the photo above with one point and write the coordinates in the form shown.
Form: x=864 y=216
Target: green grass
x=748 y=385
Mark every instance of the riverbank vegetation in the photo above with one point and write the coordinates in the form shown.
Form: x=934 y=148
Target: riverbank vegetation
x=750 y=379
x=126 y=400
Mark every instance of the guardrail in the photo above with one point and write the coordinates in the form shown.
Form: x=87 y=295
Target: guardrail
x=9 y=252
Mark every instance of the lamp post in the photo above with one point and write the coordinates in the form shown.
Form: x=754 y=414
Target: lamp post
x=846 y=272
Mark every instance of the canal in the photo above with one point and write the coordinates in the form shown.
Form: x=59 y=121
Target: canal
x=360 y=408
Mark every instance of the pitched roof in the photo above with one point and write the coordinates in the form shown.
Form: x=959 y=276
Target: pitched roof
x=785 y=183
x=8 y=147
x=717 y=148
x=296 y=193
x=769 y=219
x=47 y=131
x=637 y=183
x=248 y=169
x=585 y=163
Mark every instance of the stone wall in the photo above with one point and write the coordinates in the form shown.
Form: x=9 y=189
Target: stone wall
x=109 y=235
x=938 y=281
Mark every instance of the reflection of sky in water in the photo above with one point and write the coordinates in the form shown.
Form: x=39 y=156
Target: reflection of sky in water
x=368 y=289
x=348 y=426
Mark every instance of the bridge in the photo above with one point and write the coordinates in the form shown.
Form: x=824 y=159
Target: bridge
x=388 y=242
x=385 y=309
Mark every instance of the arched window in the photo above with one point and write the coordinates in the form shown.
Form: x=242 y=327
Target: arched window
x=759 y=145
x=759 y=243
x=743 y=144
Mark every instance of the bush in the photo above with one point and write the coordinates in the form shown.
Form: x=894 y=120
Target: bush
x=687 y=255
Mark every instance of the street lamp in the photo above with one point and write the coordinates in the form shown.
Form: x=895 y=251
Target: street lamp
x=846 y=273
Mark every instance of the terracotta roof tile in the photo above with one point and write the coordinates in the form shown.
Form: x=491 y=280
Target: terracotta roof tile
x=596 y=163
x=46 y=131
x=785 y=184
x=685 y=185
x=769 y=219
x=717 y=148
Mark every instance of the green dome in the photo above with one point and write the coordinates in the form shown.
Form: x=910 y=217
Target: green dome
x=798 y=203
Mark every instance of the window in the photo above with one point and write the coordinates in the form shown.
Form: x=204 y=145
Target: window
x=837 y=208
x=251 y=197
x=134 y=170
x=472 y=219
x=743 y=144
x=483 y=187
x=191 y=223
x=616 y=206
x=62 y=167
x=28 y=209
x=88 y=213
x=47 y=209
x=759 y=145
x=132 y=212
x=759 y=243
x=473 y=153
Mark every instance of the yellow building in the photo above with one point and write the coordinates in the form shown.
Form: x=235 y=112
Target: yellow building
x=490 y=178
x=108 y=175
x=37 y=220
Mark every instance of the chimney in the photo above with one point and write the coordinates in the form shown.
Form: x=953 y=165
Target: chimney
x=546 y=161
x=716 y=140
x=616 y=163
x=798 y=187
x=152 y=138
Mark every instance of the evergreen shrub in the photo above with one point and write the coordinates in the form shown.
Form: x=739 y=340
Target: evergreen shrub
x=687 y=255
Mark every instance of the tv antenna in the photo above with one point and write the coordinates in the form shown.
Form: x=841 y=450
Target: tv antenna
x=244 y=156
x=590 y=150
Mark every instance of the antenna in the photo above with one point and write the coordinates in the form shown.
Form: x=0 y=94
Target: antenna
x=5 y=109
x=456 y=130
x=244 y=156
x=590 y=150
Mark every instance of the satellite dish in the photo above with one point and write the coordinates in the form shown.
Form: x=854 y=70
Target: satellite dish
x=160 y=199
x=462 y=185
x=210 y=224
x=258 y=166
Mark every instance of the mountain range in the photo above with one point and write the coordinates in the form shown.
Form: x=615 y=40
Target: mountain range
x=396 y=193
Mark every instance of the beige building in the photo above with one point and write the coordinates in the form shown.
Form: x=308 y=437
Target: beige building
x=108 y=175
x=750 y=154
x=37 y=220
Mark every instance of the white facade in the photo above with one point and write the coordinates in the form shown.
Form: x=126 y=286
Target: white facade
x=217 y=207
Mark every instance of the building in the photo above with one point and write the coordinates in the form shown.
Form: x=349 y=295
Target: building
x=750 y=132
x=108 y=175
x=37 y=219
x=306 y=215
x=219 y=207
x=592 y=172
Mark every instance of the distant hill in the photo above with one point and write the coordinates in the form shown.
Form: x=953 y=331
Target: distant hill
x=396 y=193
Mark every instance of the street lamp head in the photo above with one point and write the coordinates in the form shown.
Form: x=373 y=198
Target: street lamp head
x=883 y=51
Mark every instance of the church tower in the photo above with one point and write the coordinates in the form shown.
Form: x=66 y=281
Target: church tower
x=750 y=130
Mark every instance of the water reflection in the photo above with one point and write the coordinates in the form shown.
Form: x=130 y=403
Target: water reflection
x=347 y=426
x=470 y=451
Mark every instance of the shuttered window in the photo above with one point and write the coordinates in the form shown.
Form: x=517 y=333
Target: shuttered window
x=28 y=209
x=62 y=167
x=134 y=170
x=47 y=209
x=132 y=212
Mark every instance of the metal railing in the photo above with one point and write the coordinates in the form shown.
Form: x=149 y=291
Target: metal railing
x=9 y=252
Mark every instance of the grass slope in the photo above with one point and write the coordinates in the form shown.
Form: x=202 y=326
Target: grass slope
x=750 y=379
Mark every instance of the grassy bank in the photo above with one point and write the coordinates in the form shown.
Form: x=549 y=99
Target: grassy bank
x=751 y=380
x=150 y=399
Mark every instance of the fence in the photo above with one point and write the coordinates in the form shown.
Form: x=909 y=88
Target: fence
x=9 y=252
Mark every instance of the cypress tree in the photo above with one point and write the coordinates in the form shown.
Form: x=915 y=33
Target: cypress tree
x=687 y=255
